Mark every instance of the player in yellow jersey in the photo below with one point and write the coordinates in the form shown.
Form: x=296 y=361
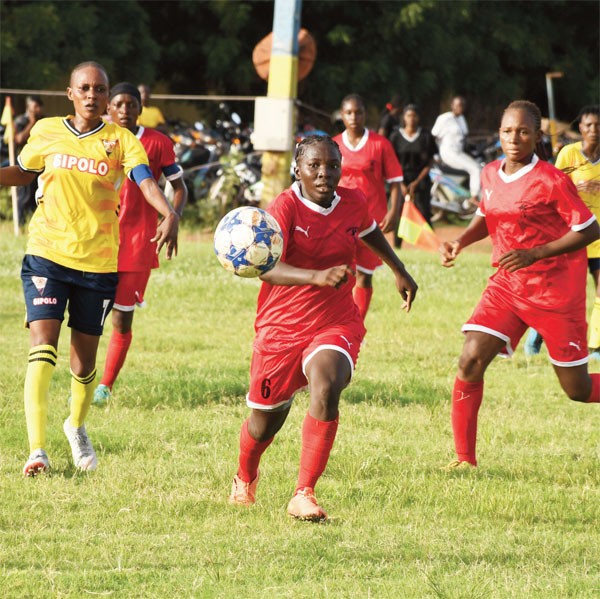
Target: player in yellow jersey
x=581 y=161
x=71 y=256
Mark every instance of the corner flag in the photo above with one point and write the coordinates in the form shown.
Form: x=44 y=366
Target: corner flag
x=7 y=120
x=415 y=230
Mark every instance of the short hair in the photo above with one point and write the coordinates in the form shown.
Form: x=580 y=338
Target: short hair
x=590 y=109
x=353 y=98
x=530 y=108
x=313 y=140
x=86 y=64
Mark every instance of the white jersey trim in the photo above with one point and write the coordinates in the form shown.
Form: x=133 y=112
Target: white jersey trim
x=520 y=173
x=410 y=138
x=313 y=205
x=361 y=144
x=584 y=225
x=267 y=408
x=368 y=230
x=570 y=364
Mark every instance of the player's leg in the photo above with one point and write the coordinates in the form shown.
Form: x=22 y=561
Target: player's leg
x=578 y=384
x=329 y=371
x=45 y=299
x=90 y=302
x=594 y=332
x=130 y=293
x=274 y=378
x=478 y=351
x=366 y=264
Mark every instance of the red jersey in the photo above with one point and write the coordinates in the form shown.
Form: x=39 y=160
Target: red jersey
x=534 y=206
x=368 y=166
x=314 y=238
x=137 y=218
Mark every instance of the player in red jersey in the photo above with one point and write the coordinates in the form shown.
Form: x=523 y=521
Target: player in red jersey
x=540 y=228
x=137 y=223
x=368 y=161
x=308 y=328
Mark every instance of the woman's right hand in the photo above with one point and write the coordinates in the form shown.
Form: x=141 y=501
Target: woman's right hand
x=449 y=250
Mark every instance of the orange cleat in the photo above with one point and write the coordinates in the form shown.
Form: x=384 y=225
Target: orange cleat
x=243 y=493
x=304 y=506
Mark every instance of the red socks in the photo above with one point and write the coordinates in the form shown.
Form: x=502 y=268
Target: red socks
x=466 y=399
x=362 y=298
x=118 y=347
x=317 y=441
x=250 y=453
x=595 y=394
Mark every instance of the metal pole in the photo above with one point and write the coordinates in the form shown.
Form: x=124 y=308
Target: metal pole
x=551 y=111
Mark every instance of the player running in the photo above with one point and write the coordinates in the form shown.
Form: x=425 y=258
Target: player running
x=137 y=225
x=308 y=328
x=71 y=255
x=368 y=161
x=539 y=228
x=581 y=161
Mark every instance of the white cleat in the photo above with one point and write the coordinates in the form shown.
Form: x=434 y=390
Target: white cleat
x=36 y=464
x=84 y=455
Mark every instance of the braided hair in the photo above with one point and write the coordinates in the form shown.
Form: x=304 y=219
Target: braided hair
x=534 y=112
x=313 y=140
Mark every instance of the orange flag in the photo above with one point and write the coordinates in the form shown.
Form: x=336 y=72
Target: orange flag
x=415 y=230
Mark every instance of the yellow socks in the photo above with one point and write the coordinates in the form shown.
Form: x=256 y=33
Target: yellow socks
x=82 y=393
x=42 y=360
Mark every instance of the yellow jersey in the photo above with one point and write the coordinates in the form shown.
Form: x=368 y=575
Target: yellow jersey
x=575 y=163
x=151 y=117
x=76 y=223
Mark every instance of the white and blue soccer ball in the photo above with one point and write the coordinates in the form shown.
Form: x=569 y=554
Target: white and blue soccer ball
x=248 y=241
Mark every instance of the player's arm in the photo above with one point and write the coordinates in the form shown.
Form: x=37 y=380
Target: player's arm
x=476 y=231
x=180 y=195
x=166 y=232
x=14 y=176
x=570 y=242
x=405 y=284
x=390 y=220
x=285 y=274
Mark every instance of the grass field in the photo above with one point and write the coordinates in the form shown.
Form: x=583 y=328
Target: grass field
x=153 y=520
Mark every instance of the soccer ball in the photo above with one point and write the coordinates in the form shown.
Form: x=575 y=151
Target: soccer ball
x=248 y=241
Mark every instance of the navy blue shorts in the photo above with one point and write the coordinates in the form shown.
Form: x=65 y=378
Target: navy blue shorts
x=48 y=287
x=593 y=265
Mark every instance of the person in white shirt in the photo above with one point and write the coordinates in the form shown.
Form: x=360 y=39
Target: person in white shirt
x=451 y=130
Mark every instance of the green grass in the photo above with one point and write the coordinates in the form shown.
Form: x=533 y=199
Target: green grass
x=153 y=520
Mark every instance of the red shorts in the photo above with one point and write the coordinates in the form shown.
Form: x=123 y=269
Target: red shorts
x=366 y=260
x=507 y=317
x=130 y=290
x=275 y=377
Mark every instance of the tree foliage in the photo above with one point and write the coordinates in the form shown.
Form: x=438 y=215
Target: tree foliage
x=426 y=50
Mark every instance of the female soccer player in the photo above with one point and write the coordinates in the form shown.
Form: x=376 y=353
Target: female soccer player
x=368 y=161
x=539 y=228
x=308 y=328
x=71 y=254
x=415 y=149
x=137 y=224
x=581 y=161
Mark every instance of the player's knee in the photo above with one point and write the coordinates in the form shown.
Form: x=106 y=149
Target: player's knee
x=470 y=364
x=325 y=397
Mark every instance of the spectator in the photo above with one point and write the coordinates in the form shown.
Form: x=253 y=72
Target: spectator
x=390 y=119
x=150 y=116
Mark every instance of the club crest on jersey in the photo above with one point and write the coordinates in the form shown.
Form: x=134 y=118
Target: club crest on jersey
x=40 y=283
x=109 y=145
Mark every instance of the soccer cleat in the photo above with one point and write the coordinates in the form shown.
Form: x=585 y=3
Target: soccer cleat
x=101 y=396
x=304 y=506
x=533 y=343
x=84 y=455
x=458 y=466
x=243 y=493
x=36 y=464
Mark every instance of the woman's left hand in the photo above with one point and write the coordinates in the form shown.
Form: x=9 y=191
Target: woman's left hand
x=166 y=232
x=517 y=259
x=389 y=223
